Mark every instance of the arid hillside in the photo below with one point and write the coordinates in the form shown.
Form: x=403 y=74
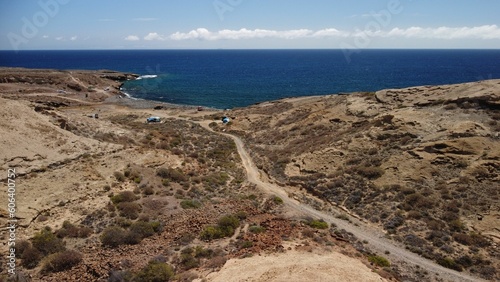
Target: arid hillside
x=421 y=163
x=108 y=197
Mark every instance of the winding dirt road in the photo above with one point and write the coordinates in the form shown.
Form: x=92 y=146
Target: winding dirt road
x=395 y=252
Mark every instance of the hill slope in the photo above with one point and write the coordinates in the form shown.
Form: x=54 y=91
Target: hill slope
x=422 y=163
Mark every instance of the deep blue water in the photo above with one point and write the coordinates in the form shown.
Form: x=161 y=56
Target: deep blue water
x=234 y=78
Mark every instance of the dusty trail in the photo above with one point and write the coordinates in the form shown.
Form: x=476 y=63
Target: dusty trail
x=376 y=240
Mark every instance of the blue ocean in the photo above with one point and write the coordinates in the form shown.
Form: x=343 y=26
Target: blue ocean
x=237 y=78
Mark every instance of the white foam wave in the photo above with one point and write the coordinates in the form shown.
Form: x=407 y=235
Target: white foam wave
x=129 y=96
x=147 y=76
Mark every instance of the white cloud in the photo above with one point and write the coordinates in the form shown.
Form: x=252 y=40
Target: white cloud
x=73 y=38
x=228 y=34
x=132 y=38
x=153 y=36
x=480 y=32
x=45 y=36
x=59 y=38
x=330 y=32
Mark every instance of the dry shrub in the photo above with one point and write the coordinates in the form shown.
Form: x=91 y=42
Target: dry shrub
x=142 y=229
x=47 y=242
x=175 y=175
x=125 y=196
x=72 y=231
x=62 y=261
x=155 y=271
x=129 y=210
x=190 y=204
x=113 y=236
x=30 y=257
x=450 y=263
x=472 y=239
x=370 y=172
x=119 y=176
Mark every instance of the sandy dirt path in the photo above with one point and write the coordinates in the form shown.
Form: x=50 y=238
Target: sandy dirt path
x=376 y=240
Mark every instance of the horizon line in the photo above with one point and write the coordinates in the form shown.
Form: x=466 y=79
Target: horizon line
x=236 y=49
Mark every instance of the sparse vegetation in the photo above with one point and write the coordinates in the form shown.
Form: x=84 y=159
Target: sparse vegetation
x=155 y=271
x=190 y=204
x=113 y=236
x=30 y=256
x=256 y=229
x=277 y=200
x=47 y=242
x=355 y=164
x=450 y=263
x=72 y=231
x=379 y=261
x=62 y=261
x=427 y=186
x=129 y=209
x=125 y=196
x=318 y=224
x=119 y=176
x=225 y=227
x=175 y=175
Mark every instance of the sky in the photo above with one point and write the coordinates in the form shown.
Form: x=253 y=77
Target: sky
x=248 y=24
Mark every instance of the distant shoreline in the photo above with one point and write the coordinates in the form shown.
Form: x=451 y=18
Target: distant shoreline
x=242 y=77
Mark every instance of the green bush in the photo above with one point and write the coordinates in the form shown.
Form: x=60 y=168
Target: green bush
x=277 y=200
x=211 y=233
x=318 y=224
x=241 y=215
x=175 y=175
x=379 y=261
x=256 y=229
x=216 y=179
x=156 y=225
x=47 y=242
x=450 y=263
x=456 y=225
x=62 y=261
x=190 y=204
x=201 y=252
x=246 y=244
x=188 y=260
x=155 y=272
x=228 y=224
x=225 y=228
